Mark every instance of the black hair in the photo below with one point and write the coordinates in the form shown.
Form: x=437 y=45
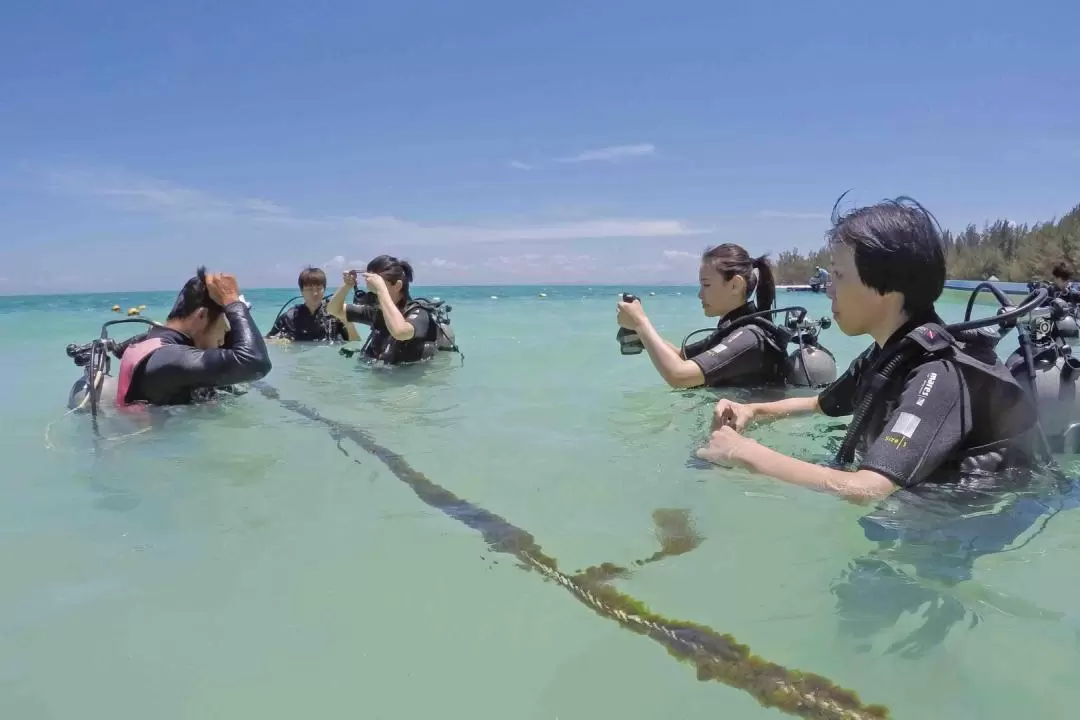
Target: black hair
x=311 y=276
x=730 y=260
x=193 y=296
x=391 y=269
x=1062 y=272
x=898 y=248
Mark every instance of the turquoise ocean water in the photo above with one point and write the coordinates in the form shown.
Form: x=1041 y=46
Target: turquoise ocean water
x=243 y=561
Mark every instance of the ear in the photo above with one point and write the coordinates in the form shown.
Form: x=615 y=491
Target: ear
x=396 y=284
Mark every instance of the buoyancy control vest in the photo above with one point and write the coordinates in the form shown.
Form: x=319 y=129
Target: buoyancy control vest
x=808 y=365
x=439 y=336
x=1003 y=414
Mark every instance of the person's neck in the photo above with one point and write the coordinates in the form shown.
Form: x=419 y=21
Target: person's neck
x=313 y=306
x=724 y=315
x=888 y=328
x=179 y=326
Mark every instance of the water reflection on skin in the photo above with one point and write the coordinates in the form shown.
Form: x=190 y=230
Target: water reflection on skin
x=940 y=532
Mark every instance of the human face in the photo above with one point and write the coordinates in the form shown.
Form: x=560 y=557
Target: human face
x=857 y=309
x=313 y=295
x=208 y=335
x=718 y=295
x=1061 y=283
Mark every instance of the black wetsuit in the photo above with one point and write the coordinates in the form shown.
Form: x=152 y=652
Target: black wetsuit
x=745 y=357
x=1070 y=295
x=382 y=346
x=299 y=324
x=938 y=418
x=178 y=373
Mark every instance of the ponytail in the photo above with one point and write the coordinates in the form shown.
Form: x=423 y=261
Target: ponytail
x=765 y=286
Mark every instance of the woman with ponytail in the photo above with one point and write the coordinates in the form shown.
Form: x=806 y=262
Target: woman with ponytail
x=736 y=354
x=402 y=330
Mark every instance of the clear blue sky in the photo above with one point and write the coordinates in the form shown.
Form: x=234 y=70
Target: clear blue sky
x=505 y=141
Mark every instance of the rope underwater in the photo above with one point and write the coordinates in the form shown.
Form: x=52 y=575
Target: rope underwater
x=715 y=656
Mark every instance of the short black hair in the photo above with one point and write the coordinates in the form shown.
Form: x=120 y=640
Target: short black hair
x=1062 y=272
x=898 y=248
x=311 y=276
x=193 y=296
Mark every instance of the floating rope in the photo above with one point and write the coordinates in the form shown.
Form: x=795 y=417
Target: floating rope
x=715 y=656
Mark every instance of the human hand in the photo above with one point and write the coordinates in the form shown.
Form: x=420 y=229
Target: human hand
x=724 y=447
x=375 y=282
x=630 y=315
x=222 y=288
x=349 y=278
x=733 y=415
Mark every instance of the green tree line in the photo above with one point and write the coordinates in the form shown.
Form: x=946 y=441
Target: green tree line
x=1005 y=250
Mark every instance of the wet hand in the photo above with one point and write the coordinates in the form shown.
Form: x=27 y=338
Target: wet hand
x=222 y=288
x=732 y=415
x=629 y=315
x=723 y=448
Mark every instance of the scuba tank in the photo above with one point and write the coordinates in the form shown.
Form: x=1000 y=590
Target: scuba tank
x=1047 y=366
x=810 y=364
x=96 y=382
x=629 y=342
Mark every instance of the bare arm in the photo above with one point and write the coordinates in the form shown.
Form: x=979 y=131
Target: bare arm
x=336 y=306
x=400 y=328
x=666 y=358
x=861 y=486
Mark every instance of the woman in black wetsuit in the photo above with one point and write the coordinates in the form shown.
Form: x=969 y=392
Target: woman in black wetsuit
x=402 y=331
x=746 y=355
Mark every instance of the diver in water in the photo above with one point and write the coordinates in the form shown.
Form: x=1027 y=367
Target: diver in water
x=403 y=330
x=750 y=353
x=927 y=406
x=310 y=321
x=1062 y=287
x=184 y=360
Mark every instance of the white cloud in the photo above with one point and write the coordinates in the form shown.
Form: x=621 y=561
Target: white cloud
x=611 y=154
x=518 y=165
x=181 y=204
x=785 y=215
x=680 y=255
x=443 y=264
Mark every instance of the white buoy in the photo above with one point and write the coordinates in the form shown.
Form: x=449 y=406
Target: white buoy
x=494 y=297
x=543 y=294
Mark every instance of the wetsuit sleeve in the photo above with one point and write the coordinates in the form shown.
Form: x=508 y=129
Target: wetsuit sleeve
x=283 y=326
x=699 y=346
x=838 y=398
x=363 y=314
x=172 y=369
x=731 y=357
x=931 y=419
x=420 y=319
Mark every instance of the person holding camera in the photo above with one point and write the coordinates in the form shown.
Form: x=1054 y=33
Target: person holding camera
x=742 y=351
x=402 y=330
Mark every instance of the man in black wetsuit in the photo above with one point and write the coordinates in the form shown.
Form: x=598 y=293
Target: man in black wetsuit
x=309 y=322
x=183 y=361
x=947 y=407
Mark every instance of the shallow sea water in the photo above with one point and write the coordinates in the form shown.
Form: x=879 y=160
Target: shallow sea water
x=243 y=561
